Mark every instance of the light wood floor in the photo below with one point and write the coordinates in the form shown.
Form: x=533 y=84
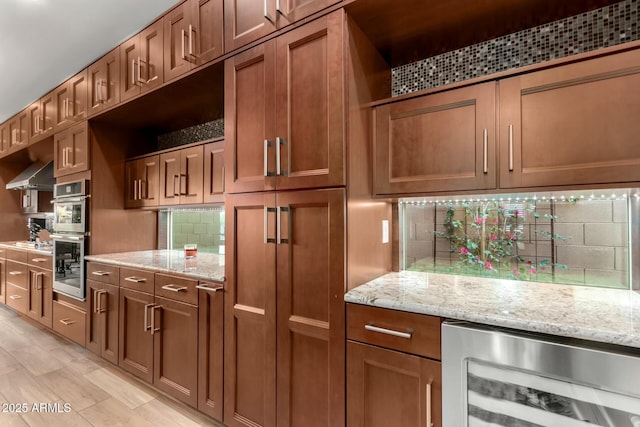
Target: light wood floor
x=38 y=367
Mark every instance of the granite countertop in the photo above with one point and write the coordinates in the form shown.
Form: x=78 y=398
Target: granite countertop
x=23 y=247
x=205 y=266
x=597 y=314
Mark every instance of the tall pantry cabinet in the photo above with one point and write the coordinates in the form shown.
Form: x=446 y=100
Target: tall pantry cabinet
x=284 y=326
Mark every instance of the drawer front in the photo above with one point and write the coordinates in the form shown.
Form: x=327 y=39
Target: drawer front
x=103 y=273
x=177 y=288
x=17 y=274
x=138 y=280
x=17 y=298
x=42 y=261
x=398 y=330
x=69 y=321
x=17 y=255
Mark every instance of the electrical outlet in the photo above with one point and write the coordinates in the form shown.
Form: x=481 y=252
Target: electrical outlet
x=385 y=231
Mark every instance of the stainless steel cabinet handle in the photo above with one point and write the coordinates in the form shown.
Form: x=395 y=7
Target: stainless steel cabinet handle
x=372 y=328
x=40 y=259
x=67 y=322
x=15 y=297
x=37 y=281
x=140 y=71
x=146 y=317
x=135 y=279
x=135 y=190
x=266 y=13
x=190 y=39
x=182 y=37
x=153 y=318
x=133 y=71
x=95 y=300
x=96 y=96
x=267 y=239
x=267 y=144
x=279 y=143
x=281 y=209
x=174 y=288
x=485 y=157
x=140 y=190
x=510 y=148
x=100 y=273
x=428 y=397
x=15 y=273
x=99 y=298
x=210 y=289
x=279 y=8
x=176 y=177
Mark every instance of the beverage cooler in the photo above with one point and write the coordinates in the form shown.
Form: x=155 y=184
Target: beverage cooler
x=496 y=377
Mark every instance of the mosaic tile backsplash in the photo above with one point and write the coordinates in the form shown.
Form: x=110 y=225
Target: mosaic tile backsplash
x=201 y=132
x=609 y=26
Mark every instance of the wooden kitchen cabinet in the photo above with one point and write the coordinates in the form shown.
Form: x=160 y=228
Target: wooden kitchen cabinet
x=248 y=20
x=103 y=301
x=71 y=150
x=4 y=139
x=440 y=142
x=69 y=320
x=211 y=348
x=42 y=117
x=570 y=125
x=193 y=35
x=103 y=83
x=18 y=128
x=285 y=111
x=386 y=387
x=135 y=346
x=174 y=328
x=141 y=182
x=181 y=176
x=71 y=101
x=394 y=374
x=213 y=191
x=142 y=62
x=285 y=366
x=40 y=288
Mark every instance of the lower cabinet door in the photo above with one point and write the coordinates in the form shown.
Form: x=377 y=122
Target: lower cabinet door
x=102 y=331
x=210 y=351
x=135 y=350
x=175 y=353
x=389 y=388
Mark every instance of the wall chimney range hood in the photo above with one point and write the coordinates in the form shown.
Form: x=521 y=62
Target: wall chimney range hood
x=35 y=177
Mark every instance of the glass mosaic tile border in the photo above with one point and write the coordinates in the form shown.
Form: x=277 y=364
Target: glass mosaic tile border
x=201 y=132
x=608 y=26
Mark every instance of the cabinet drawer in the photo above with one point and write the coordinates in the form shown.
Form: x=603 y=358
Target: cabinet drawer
x=103 y=273
x=17 y=298
x=139 y=280
x=420 y=333
x=17 y=255
x=17 y=274
x=177 y=288
x=42 y=261
x=69 y=321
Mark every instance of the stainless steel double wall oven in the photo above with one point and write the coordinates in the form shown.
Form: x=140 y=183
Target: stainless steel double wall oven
x=70 y=228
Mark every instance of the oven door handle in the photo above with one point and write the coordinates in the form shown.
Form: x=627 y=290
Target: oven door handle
x=70 y=199
x=67 y=237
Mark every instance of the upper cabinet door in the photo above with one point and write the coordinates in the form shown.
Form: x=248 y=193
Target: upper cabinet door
x=179 y=52
x=103 y=82
x=191 y=174
x=214 y=172
x=250 y=119
x=246 y=21
x=290 y=11
x=440 y=142
x=71 y=150
x=170 y=178
x=4 y=140
x=71 y=101
x=42 y=116
x=142 y=61
x=18 y=129
x=208 y=29
x=575 y=124
x=310 y=131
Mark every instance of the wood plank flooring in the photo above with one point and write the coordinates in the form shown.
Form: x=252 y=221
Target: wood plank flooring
x=39 y=367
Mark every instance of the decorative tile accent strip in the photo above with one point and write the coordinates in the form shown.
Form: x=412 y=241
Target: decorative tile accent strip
x=609 y=26
x=202 y=132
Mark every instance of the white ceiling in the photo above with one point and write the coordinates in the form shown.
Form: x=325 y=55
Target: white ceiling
x=44 y=42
